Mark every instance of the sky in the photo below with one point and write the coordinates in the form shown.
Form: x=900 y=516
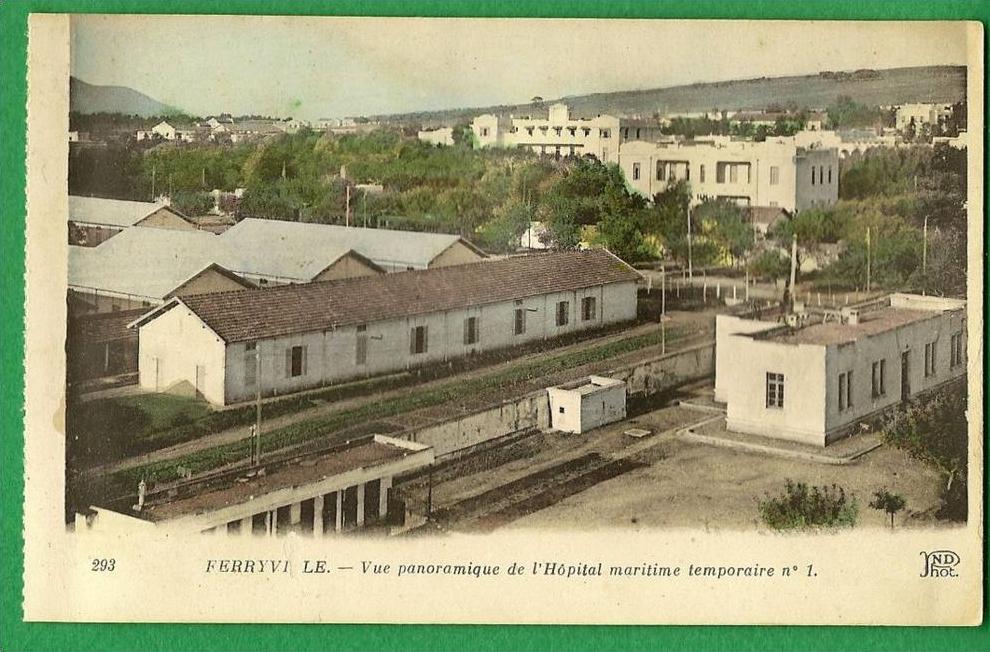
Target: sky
x=312 y=68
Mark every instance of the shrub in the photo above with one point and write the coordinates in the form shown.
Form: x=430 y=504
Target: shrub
x=802 y=507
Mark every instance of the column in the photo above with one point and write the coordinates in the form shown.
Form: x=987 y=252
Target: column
x=360 y=504
x=383 y=497
x=246 y=524
x=340 y=511
x=318 y=515
x=295 y=513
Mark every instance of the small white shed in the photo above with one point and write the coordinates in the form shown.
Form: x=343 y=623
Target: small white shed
x=587 y=404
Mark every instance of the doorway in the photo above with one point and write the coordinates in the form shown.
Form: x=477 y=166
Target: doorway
x=905 y=375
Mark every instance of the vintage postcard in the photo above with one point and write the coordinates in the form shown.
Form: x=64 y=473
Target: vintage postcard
x=413 y=320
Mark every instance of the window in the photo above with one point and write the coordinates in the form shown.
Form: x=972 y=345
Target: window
x=733 y=174
x=529 y=130
x=930 y=359
x=484 y=131
x=661 y=171
x=775 y=390
x=418 y=340
x=720 y=173
x=774 y=175
x=637 y=133
x=519 y=324
x=845 y=390
x=471 y=330
x=635 y=172
x=701 y=173
x=563 y=312
x=956 y=350
x=879 y=378
x=830 y=174
x=557 y=130
x=361 y=345
x=605 y=133
x=588 y=308
x=251 y=346
x=295 y=361
x=812 y=175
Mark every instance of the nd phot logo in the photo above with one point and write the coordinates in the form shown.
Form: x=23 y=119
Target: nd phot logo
x=940 y=563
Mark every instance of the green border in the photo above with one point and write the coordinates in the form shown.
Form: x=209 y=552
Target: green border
x=17 y=635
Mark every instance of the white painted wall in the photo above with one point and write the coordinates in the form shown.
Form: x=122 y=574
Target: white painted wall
x=791 y=191
x=331 y=356
x=859 y=357
x=802 y=418
x=576 y=411
x=171 y=348
x=726 y=353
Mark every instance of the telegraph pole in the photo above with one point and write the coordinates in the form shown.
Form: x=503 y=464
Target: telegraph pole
x=868 y=270
x=924 y=248
x=347 y=205
x=690 y=265
x=256 y=455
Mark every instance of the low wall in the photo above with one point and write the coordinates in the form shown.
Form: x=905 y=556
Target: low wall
x=532 y=412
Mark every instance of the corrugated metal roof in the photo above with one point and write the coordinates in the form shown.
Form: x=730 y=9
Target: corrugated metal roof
x=112 y=212
x=275 y=242
x=143 y=262
x=284 y=310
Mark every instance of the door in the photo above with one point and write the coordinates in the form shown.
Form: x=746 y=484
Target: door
x=905 y=375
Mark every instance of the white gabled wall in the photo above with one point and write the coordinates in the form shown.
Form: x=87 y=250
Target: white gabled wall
x=171 y=348
x=744 y=384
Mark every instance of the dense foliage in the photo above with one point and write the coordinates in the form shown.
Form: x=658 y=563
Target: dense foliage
x=803 y=507
x=935 y=432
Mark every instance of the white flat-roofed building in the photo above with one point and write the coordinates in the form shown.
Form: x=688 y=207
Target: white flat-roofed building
x=587 y=404
x=346 y=487
x=560 y=134
x=290 y=338
x=908 y=115
x=816 y=379
x=775 y=173
x=438 y=136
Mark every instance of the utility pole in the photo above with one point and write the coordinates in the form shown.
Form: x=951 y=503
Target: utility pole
x=793 y=269
x=154 y=170
x=663 y=292
x=690 y=264
x=256 y=456
x=868 y=260
x=347 y=205
x=924 y=248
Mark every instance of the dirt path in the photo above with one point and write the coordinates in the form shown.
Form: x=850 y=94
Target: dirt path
x=698 y=324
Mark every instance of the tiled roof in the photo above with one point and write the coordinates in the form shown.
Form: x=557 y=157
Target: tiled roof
x=289 y=309
x=105 y=326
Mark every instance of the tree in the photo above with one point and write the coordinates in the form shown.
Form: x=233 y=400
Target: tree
x=885 y=501
x=936 y=432
x=720 y=222
x=666 y=219
x=845 y=112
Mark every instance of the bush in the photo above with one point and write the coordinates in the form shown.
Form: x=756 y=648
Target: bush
x=802 y=507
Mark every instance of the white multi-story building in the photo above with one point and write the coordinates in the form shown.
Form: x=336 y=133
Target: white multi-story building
x=815 y=377
x=559 y=134
x=776 y=172
x=920 y=114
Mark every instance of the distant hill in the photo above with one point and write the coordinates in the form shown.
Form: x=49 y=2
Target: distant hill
x=871 y=87
x=91 y=98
